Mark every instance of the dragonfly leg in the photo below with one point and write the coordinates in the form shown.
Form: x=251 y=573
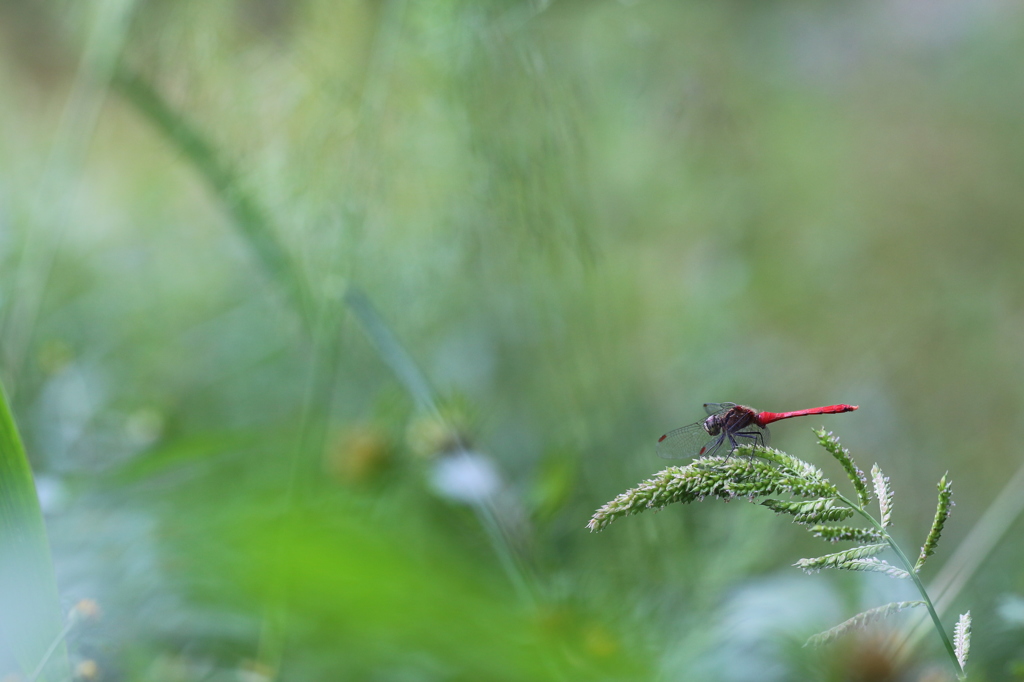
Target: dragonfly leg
x=711 y=448
x=733 y=443
x=756 y=437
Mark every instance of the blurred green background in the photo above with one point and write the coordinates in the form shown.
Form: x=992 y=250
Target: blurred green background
x=328 y=324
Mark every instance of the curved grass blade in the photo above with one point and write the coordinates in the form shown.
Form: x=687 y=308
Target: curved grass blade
x=30 y=615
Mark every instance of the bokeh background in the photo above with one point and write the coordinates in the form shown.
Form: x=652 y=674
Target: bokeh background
x=328 y=324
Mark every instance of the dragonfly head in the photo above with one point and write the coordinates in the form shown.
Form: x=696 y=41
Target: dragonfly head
x=713 y=425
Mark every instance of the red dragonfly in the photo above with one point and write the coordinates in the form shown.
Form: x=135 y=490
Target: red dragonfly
x=732 y=424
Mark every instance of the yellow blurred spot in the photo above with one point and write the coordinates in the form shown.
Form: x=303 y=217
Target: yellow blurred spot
x=429 y=436
x=13 y=677
x=87 y=609
x=359 y=455
x=170 y=669
x=869 y=657
x=591 y=638
x=443 y=432
x=54 y=355
x=599 y=643
x=87 y=670
x=255 y=671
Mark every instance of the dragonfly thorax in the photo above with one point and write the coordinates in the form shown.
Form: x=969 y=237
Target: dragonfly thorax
x=731 y=420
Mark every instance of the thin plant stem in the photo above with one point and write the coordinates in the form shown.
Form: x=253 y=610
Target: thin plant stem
x=52 y=649
x=909 y=565
x=397 y=357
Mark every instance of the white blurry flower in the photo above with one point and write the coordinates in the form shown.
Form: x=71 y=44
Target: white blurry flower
x=52 y=493
x=465 y=476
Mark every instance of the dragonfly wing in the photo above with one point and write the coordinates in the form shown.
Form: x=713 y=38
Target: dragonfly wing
x=686 y=441
x=715 y=408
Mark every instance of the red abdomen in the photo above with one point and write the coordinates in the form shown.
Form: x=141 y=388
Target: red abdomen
x=765 y=418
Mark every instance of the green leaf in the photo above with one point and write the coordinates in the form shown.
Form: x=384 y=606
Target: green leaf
x=30 y=617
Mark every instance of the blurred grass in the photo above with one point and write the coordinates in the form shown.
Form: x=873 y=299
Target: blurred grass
x=392 y=596
x=580 y=220
x=224 y=184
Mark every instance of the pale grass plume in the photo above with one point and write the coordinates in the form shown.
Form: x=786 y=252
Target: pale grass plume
x=884 y=494
x=962 y=639
x=860 y=621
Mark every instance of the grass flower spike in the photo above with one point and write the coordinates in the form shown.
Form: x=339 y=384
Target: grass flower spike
x=792 y=487
x=942 y=511
x=842 y=455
